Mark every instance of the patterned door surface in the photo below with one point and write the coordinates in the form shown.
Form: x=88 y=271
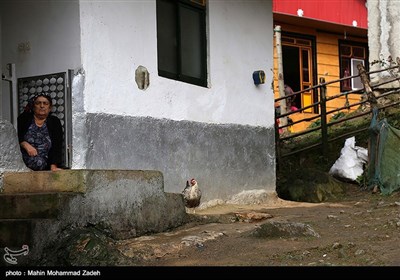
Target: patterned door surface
x=56 y=85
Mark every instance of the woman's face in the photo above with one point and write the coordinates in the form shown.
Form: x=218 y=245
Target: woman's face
x=41 y=107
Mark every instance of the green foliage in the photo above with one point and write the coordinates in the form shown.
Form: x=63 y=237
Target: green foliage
x=337 y=116
x=362 y=180
x=315 y=124
x=383 y=62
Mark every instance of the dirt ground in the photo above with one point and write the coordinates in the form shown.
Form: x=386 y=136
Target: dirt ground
x=361 y=229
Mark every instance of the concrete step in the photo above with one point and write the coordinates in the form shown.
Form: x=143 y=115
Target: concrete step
x=20 y=213
x=35 y=207
x=22 y=240
x=44 y=181
x=32 y=205
x=15 y=233
x=78 y=181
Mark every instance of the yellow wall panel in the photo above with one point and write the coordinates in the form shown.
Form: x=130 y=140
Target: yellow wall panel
x=328 y=48
x=326 y=37
x=327 y=70
x=328 y=59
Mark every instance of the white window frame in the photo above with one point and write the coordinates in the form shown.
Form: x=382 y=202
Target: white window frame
x=355 y=82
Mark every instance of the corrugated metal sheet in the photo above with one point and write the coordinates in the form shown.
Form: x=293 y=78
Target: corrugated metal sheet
x=337 y=11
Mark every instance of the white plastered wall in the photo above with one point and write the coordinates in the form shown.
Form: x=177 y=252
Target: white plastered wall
x=383 y=35
x=118 y=36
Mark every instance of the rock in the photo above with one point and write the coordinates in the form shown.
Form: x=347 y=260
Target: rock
x=252 y=216
x=252 y=197
x=83 y=247
x=283 y=229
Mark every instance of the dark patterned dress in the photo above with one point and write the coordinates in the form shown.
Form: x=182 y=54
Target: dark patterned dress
x=39 y=138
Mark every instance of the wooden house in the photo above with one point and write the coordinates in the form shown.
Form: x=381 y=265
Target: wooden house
x=320 y=39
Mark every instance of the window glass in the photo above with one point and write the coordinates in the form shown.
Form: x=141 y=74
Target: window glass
x=359 y=52
x=181 y=41
x=345 y=50
x=167 y=36
x=345 y=72
x=303 y=42
x=356 y=82
x=350 y=56
x=288 y=40
x=191 y=42
x=306 y=71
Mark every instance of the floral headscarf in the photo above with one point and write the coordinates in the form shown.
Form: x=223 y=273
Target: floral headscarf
x=29 y=106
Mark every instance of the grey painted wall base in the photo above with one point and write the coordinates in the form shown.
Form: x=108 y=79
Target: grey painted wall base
x=10 y=154
x=225 y=159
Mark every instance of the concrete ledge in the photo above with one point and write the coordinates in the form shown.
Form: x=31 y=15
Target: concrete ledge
x=44 y=181
x=70 y=180
x=32 y=206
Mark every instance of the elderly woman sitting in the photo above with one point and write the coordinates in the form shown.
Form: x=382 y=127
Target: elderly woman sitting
x=40 y=135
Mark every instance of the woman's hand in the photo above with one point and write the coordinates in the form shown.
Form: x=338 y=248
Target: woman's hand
x=29 y=149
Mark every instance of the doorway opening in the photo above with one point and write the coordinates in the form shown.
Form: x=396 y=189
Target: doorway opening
x=298 y=54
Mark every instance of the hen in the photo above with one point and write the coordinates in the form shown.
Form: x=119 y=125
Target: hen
x=192 y=194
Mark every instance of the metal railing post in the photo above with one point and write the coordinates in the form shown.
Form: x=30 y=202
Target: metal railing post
x=324 y=128
x=277 y=145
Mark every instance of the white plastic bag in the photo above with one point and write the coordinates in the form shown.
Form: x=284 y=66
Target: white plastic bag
x=351 y=161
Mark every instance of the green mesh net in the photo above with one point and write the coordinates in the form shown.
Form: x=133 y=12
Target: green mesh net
x=384 y=161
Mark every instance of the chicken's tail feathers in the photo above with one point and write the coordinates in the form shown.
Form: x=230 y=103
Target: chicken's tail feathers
x=187 y=186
